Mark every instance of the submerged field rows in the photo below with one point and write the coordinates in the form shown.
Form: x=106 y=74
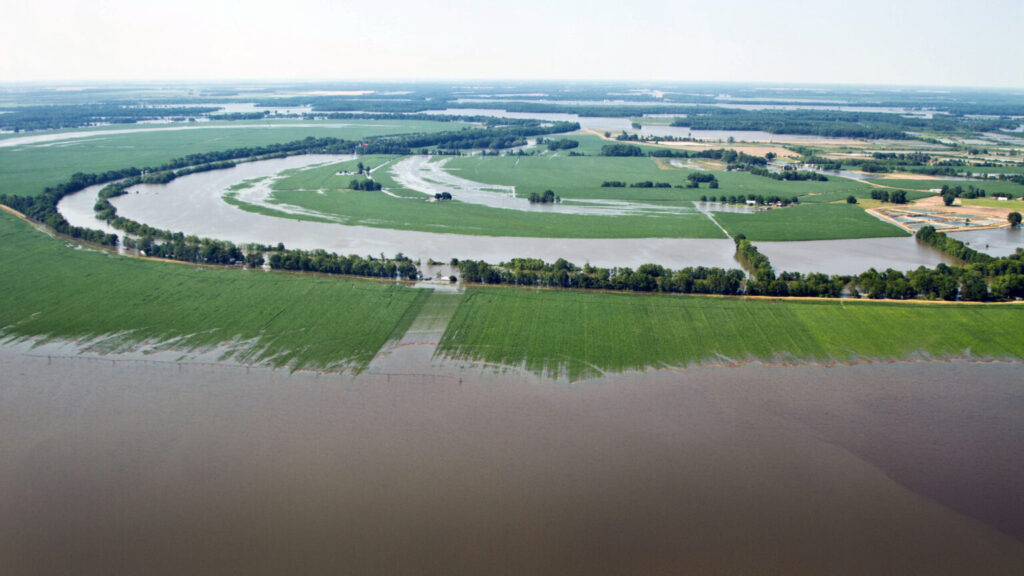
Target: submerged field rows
x=582 y=334
x=49 y=290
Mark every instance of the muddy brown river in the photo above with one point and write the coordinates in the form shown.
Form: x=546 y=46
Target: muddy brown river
x=148 y=465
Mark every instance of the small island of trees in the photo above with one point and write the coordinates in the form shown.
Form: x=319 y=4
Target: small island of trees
x=548 y=197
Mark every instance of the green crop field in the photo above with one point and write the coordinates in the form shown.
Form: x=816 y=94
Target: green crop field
x=378 y=210
x=808 y=222
x=989 y=186
x=994 y=169
x=1017 y=205
x=328 y=177
x=581 y=334
x=50 y=290
x=27 y=169
x=581 y=177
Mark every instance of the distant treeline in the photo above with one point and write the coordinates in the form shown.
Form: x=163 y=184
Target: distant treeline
x=489 y=121
x=883 y=163
x=732 y=158
x=27 y=118
x=834 y=123
x=701 y=114
x=788 y=174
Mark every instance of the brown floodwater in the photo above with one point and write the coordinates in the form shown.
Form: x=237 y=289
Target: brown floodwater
x=148 y=465
x=852 y=256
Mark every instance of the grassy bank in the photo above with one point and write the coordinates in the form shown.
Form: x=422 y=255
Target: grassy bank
x=51 y=290
x=582 y=333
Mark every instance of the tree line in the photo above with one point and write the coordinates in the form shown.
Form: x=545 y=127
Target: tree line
x=983 y=278
x=330 y=263
x=758 y=199
x=548 y=197
x=894 y=196
x=788 y=174
x=54 y=117
x=646 y=278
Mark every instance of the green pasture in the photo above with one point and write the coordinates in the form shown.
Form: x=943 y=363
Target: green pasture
x=581 y=177
x=989 y=186
x=808 y=222
x=581 y=334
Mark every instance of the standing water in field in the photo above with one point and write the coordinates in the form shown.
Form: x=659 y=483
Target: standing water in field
x=994 y=241
x=851 y=256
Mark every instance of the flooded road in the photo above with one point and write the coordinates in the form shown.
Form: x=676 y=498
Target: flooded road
x=115 y=465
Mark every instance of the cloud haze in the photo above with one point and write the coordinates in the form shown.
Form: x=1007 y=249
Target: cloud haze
x=875 y=42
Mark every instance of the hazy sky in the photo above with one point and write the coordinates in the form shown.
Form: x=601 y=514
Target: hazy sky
x=926 y=42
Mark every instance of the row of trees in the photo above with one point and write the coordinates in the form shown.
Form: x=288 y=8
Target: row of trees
x=563 y=144
x=894 y=196
x=646 y=278
x=961 y=192
x=835 y=123
x=27 y=118
x=759 y=199
x=364 y=184
x=983 y=278
x=192 y=249
x=795 y=175
x=330 y=263
x=621 y=150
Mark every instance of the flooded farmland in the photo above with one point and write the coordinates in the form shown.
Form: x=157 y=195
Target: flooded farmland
x=994 y=242
x=193 y=204
x=149 y=465
x=852 y=256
